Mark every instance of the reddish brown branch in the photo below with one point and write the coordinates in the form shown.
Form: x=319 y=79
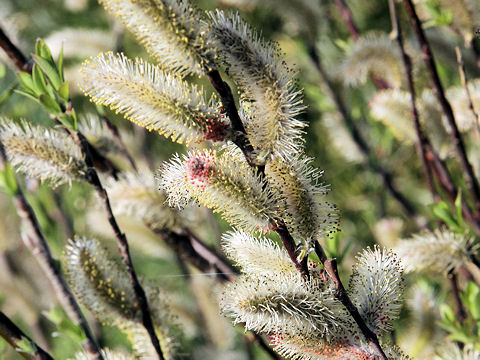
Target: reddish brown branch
x=122 y=243
x=459 y=307
x=36 y=242
x=422 y=143
x=347 y=17
x=14 y=336
x=341 y=294
x=470 y=178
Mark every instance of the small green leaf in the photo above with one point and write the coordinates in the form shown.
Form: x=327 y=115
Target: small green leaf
x=50 y=104
x=69 y=121
x=60 y=65
x=5 y=95
x=26 y=346
x=3 y=71
x=26 y=81
x=42 y=50
x=7 y=180
x=471 y=298
x=63 y=91
x=39 y=83
x=441 y=211
x=447 y=314
x=27 y=94
x=50 y=70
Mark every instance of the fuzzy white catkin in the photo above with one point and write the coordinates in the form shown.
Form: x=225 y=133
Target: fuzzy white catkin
x=40 y=153
x=376 y=288
x=171 y=30
x=222 y=182
x=103 y=287
x=438 y=252
x=373 y=54
x=136 y=195
x=107 y=355
x=303 y=205
x=256 y=256
x=269 y=98
x=150 y=97
x=287 y=304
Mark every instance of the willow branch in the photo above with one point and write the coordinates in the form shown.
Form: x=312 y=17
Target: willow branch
x=342 y=295
x=357 y=137
x=122 y=243
x=190 y=248
x=459 y=307
x=13 y=52
x=280 y=228
x=470 y=178
x=422 y=143
x=16 y=337
x=36 y=242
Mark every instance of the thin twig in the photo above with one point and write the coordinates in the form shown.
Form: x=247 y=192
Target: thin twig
x=13 y=52
x=342 y=295
x=422 y=143
x=122 y=243
x=190 y=248
x=36 y=242
x=357 y=137
x=460 y=308
x=16 y=337
x=470 y=178
x=347 y=17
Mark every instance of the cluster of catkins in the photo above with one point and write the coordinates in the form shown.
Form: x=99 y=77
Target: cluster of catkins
x=276 y=187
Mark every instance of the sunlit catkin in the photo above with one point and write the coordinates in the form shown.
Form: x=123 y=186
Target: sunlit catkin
x=222 y=182
x=171 y=30
x=154 y=99
x=376 y=288
x=303 y=204
x=270 y=100
x=45 y=154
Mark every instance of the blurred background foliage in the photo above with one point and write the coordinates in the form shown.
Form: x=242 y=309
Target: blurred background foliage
x=369 y=213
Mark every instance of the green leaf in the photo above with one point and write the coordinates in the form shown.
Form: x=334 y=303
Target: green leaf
x=42 y=50
x=26 y=346
x=39 y=83
x=69 y=121
x=3 y=71
x=63 y=91
x=50 y=69
x=26 y=81
x=27 y=94
x=447 y=314
x=50 y=104
x=5 y=95
x=60 y=65
x=471 y=298
x=8 y=181
x=441 y=211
